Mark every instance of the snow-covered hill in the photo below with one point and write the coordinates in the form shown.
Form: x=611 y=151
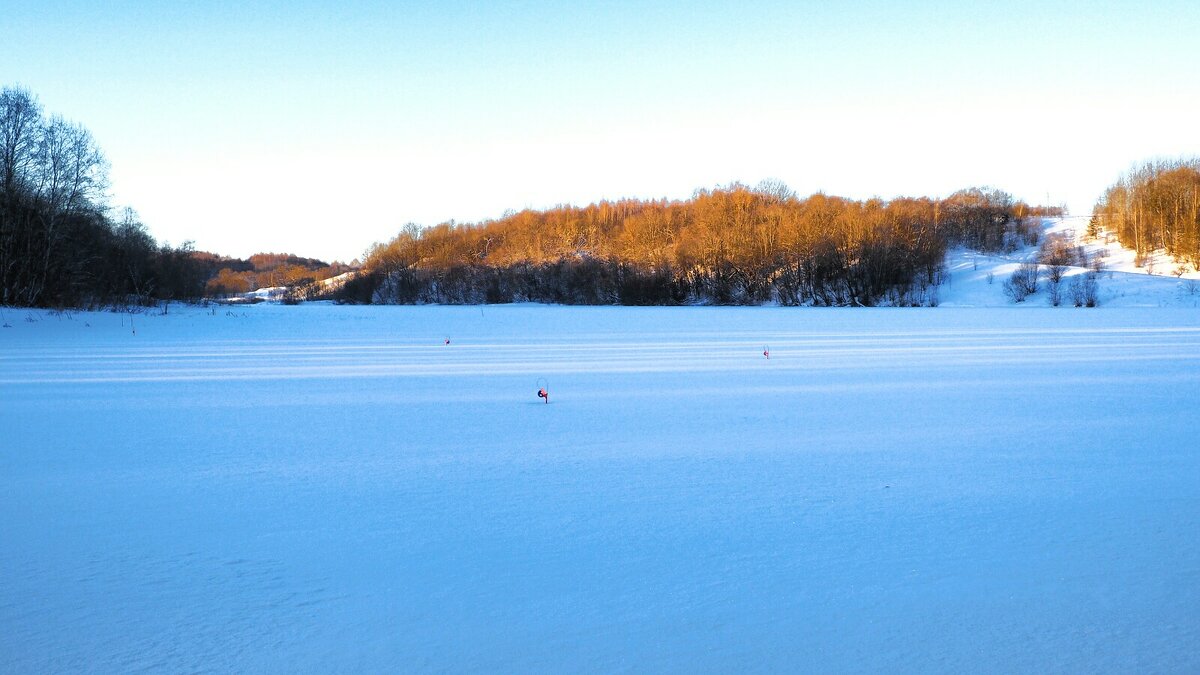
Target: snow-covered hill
x=976 y=279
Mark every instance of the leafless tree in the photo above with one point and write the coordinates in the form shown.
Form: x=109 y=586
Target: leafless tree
x=20 y=122
x=1085 y=289
x=1023 y=282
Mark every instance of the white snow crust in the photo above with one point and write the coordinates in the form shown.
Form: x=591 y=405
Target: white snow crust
x=334 y=489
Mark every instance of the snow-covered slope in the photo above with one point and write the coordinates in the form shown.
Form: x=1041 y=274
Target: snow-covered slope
x=977 y=280
x=280 y=293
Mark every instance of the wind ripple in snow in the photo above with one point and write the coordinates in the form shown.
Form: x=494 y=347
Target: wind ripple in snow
x=788 y=352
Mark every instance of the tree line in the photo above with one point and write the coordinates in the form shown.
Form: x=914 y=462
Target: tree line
x=59 y=245
x=729 y=245
x=62 y=246
x=1155 y=206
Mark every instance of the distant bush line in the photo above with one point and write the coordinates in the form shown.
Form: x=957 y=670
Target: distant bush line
x=731 y=245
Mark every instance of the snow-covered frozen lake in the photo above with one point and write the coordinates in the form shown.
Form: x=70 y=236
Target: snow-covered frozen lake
x=335 y=489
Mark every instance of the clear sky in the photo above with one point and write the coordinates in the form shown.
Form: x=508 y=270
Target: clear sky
x=319 y=128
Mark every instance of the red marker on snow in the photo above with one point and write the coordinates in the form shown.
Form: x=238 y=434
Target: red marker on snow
x=542 y=394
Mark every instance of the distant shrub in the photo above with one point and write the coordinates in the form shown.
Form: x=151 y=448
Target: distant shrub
x=1053 y=292
x=1023 y=282
x=1057 y=253
x=1084 y=289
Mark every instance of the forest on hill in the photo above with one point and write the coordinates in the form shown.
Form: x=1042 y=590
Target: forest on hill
x=231 y=276
x=1155 y=207
x=730 y=245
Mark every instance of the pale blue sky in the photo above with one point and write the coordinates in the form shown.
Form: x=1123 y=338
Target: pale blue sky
x=318 y=128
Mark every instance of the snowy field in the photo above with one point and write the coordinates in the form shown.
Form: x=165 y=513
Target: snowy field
x=335 y=489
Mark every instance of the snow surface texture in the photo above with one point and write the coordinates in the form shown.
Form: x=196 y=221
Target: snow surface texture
x=335 y=489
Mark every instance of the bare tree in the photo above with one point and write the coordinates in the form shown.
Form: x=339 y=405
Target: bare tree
x=1023 y=282
x=1085 y=289
x=54 y=179
x=20 y=122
